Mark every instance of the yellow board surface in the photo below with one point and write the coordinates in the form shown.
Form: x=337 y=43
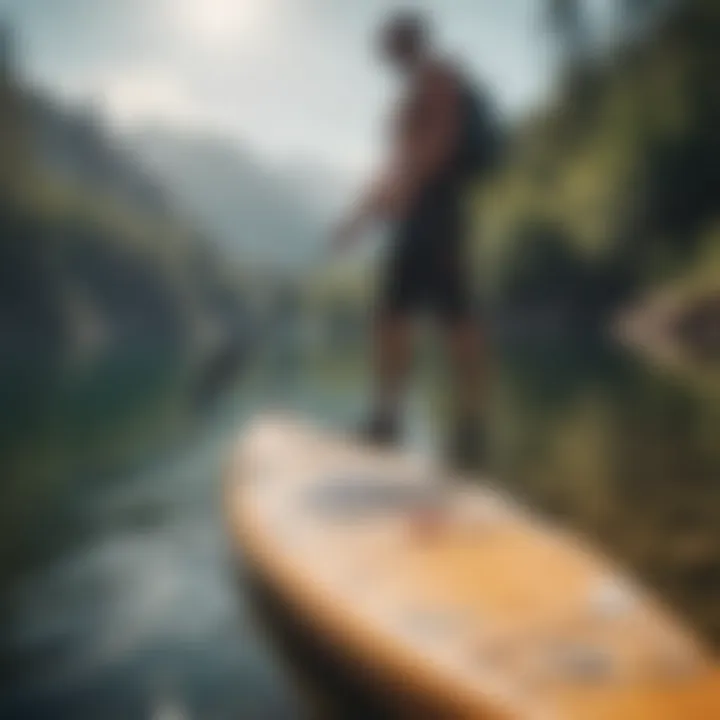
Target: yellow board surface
x=488 y=613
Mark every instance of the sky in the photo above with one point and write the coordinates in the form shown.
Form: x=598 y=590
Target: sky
x=294 y=80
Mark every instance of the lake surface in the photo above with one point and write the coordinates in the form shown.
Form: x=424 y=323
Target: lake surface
x=125 y=601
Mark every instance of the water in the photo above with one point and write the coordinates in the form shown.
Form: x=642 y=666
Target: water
x=136 y=612
x=130 y=604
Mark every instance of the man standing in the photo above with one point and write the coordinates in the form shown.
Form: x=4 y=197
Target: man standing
x=437 y=151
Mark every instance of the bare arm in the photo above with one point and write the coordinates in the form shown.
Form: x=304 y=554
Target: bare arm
x=423 y=150
x=420 y=154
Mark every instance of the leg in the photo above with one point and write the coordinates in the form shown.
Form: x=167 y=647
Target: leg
x=392 y=357
x=466 y=450
x=464 y=342
x=398 y=302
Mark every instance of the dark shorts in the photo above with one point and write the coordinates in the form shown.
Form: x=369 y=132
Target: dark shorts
x=427 y=270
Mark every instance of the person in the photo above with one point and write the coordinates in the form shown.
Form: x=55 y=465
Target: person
x=422 y=193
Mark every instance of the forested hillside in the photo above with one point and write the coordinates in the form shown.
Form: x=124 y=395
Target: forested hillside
x=117 y=316
x=96 y=260
x=611 y=192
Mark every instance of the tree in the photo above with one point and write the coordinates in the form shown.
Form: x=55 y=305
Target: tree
x=15 y=162
x=566 y=19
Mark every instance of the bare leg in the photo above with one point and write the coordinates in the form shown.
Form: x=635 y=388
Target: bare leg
x=467 y=358
x=392 y=356
x=465 y=347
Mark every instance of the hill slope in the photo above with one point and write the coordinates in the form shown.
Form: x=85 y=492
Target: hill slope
x=242 y=204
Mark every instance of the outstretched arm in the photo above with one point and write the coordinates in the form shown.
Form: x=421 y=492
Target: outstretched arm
x=422 y=153
x=378 y=202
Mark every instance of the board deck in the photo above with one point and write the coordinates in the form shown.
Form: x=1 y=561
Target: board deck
x=490 y=612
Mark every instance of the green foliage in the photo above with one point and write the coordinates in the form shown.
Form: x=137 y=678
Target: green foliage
x=609 y=191
x=92 y=272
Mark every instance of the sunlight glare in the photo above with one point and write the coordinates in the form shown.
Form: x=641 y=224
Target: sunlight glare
x=219 y=23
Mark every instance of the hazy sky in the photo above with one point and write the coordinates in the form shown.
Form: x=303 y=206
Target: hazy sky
x=293 y=79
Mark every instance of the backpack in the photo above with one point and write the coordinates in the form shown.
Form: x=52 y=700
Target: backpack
x=483 y=143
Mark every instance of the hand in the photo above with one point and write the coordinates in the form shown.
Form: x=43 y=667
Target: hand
x=347 y=231
x=392 y=199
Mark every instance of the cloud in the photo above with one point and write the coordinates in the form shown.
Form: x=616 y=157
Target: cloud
x=150 y=94
x=222 y=26
x=291 y=78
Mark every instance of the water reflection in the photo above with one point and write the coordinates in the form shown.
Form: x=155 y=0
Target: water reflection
x=136 y=614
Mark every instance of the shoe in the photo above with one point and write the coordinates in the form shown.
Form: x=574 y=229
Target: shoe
x=383 y=431
x=467 y=447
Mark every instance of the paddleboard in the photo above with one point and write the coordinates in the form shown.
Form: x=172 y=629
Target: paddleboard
x=447 y=597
